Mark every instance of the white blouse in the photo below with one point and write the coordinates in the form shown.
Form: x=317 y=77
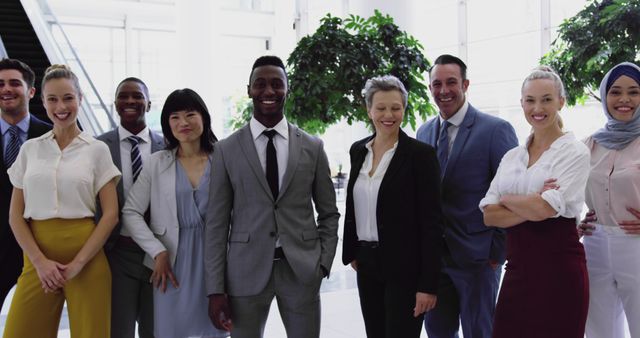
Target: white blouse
x=365 y=194
x=62 y=184
x=566 y=160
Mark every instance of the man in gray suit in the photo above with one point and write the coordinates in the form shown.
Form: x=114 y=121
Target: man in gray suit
x=130 y=145
x=262 y=240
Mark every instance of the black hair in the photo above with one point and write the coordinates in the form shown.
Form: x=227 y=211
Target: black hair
x=267 y=60
x=137 y=80
x=189 y=100
x=27 y=74
x=446 y=59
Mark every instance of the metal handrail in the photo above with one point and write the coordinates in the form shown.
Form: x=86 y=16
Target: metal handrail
x=3 y=51
x=43 y=28
x=82 y=68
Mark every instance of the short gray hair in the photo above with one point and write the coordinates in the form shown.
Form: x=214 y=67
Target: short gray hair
x=546 y=73
x=383 y=83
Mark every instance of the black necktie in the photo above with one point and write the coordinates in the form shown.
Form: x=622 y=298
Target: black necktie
x=13 y=146
x=272 y=163
x=136 y=158
x=443 y=146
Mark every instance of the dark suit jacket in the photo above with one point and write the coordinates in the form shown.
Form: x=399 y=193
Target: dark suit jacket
x=481 y=142
x=37 y=127
x=112 y=139
x=408 y=213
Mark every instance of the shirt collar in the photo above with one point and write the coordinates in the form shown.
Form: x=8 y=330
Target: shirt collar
x=369 y=145
x=23 y=125
x=282 y=128
x=83 y=136
x=123 y=134
x=559 y=142
x=458 y=117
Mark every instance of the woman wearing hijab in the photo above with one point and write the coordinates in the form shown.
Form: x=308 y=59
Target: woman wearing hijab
x=612 y=227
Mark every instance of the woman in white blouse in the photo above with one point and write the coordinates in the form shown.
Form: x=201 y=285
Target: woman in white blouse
x=612 y=241
x=56 y=180
x=537 y=194
x=393 y=222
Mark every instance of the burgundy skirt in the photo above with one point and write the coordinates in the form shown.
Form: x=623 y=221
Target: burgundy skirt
x=545 y=290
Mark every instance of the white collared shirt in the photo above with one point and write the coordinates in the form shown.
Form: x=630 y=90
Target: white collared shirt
x=125 y=160
x=280 y=141
x=455 y=121
x=365 y=193
x=62 y=183
x=566 y=160
x=125 y=154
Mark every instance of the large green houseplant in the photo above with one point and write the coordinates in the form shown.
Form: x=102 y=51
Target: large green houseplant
x=603 y=34
x=328 y=70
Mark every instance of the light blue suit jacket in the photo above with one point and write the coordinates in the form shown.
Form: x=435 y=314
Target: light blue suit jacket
x=481 y=142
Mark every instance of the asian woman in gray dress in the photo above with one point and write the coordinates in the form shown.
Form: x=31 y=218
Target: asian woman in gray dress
x=174 y=187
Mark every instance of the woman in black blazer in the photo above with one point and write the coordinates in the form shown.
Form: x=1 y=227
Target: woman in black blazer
x=393 y=224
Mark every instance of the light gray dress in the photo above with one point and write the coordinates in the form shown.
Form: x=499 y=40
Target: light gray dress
x=183 y=312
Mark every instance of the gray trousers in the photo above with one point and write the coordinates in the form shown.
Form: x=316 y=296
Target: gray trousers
x=131 y=294
x=299 y=306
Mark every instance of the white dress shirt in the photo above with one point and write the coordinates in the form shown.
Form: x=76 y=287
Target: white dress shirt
x=280 y=141
x=125 y=160
x=455 y=121
x=365 y=194
x=62 y=183
x=566 y=160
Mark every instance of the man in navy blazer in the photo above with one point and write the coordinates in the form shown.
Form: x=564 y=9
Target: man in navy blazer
x=470 y=145
x=16 y=89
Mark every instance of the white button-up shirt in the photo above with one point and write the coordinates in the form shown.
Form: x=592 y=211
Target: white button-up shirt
x=566 y=160
x=280 y=142
x=365 y=194
x=62 y=183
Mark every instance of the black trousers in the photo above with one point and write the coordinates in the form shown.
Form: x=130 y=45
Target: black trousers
x=10 y=266
x=387 y=305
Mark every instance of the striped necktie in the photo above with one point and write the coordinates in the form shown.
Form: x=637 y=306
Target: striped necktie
x=13 y=146
x=136 y=158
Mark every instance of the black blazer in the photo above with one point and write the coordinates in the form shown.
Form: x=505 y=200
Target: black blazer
x=409 y=214
x=37 y=127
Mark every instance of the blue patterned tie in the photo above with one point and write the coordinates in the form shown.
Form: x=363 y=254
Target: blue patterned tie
x=136 y=159
x=13 y=146
x=443 y=146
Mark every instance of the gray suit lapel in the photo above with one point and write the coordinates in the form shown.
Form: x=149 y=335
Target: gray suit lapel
x=292 y=161
x=157 y=143
x=113 y=142
x=248 y=148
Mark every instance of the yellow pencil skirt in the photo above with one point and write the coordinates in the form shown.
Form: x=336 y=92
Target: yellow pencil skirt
x=34 y=313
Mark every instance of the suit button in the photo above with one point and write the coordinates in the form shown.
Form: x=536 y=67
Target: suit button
x=275 y=207
x=272 y=234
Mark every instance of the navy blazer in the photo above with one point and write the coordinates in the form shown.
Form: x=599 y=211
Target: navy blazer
x=408 y=214
x=481 y=142
x=37 y=127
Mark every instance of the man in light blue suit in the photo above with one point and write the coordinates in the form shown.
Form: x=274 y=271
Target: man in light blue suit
x=470 y=145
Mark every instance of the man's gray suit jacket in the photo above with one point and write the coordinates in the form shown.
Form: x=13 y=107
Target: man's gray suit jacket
x=244 y=221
